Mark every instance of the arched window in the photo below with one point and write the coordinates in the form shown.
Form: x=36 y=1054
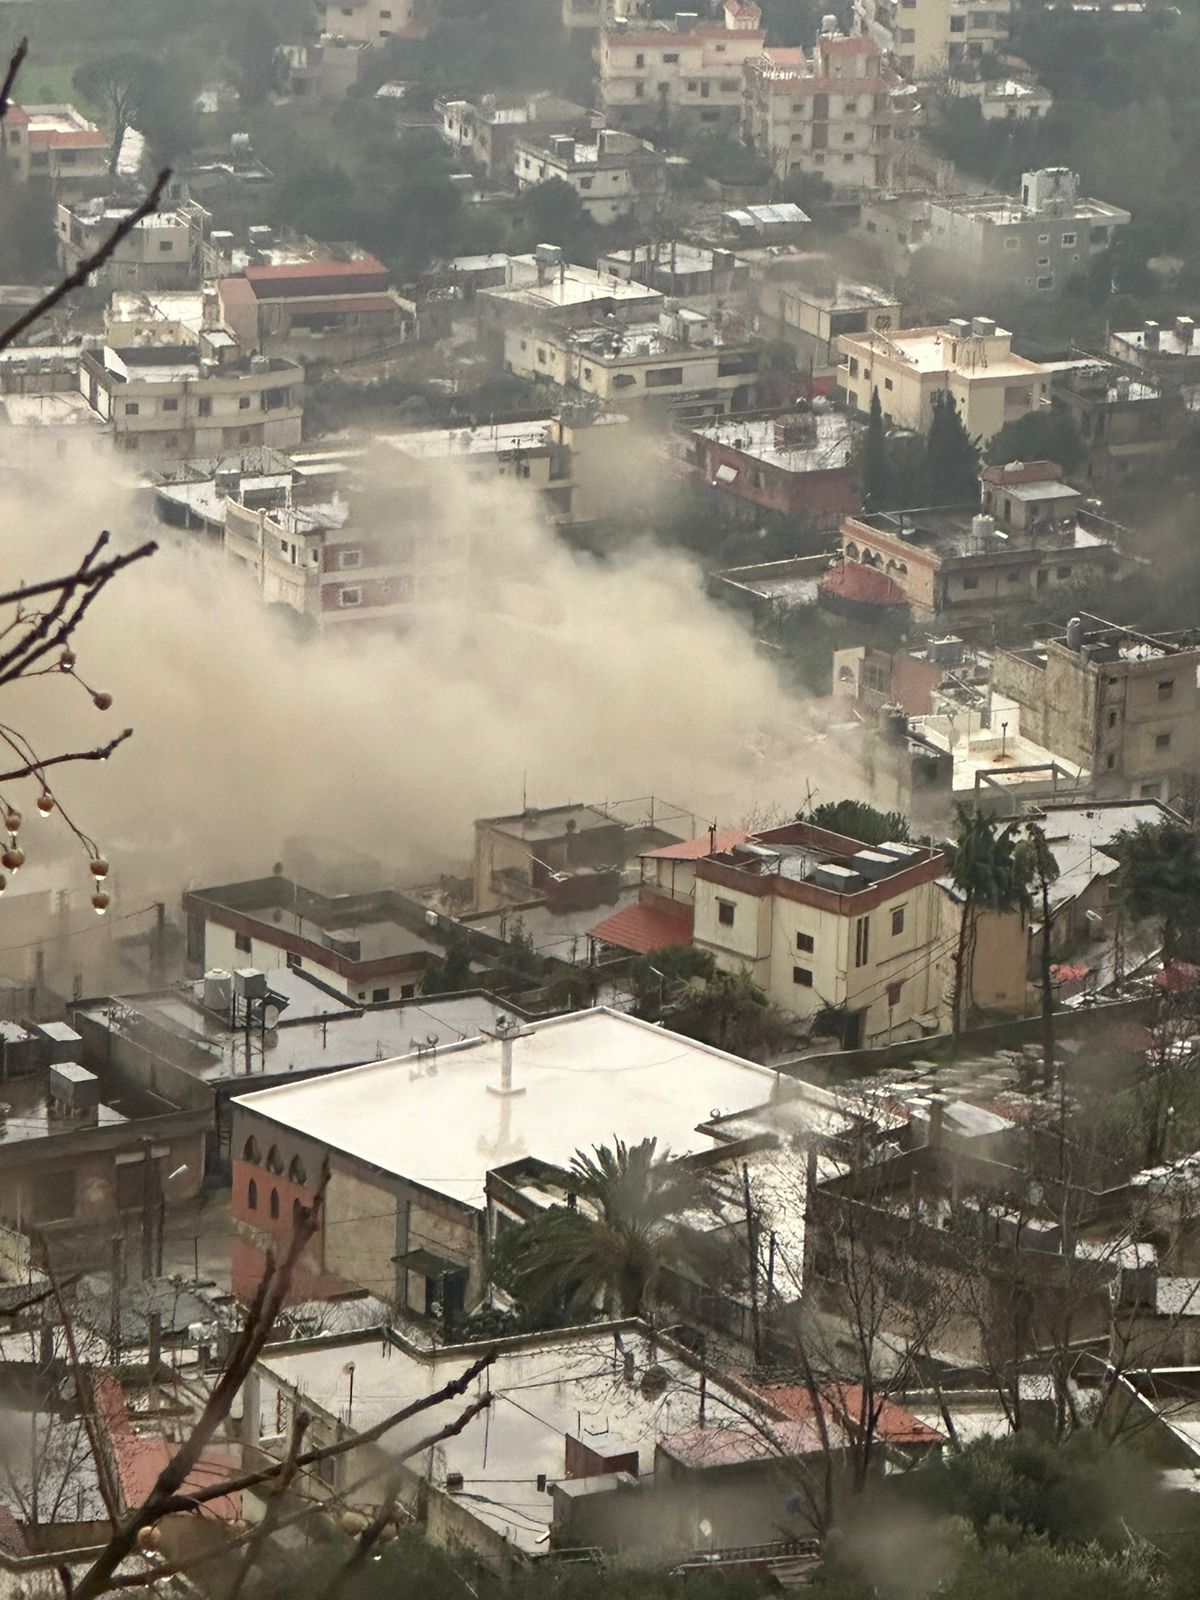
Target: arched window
x=274 y=1205
x=250 y=1151
x=252 y=1195
x=274 y=1160
x=852 y=551
x=296 y=1172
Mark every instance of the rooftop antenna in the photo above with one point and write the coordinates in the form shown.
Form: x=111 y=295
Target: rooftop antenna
x=506 y=1029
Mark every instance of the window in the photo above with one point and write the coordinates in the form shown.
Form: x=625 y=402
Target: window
x=1011 y=244
x=407 y=990
x=893 y=994
x=170 y=405
x=848 y=138
x=1062 y=572
x=803 y=977
x=805 y=942
x=849 y=156
x=692 y=86
x=639 y=60
x=378 y=996
x=862 y=941
x=1112 y=719
x=664 y=377
x=639 y=90
x=725 y=913
x=53 y=1195
x=349 y=558
x=205 y=406
x=1166 y=688
x=729 y=85
x=897 y=921
x=1068 y=240
x=251 y=1152
x=1043 y=238
x=296 y=1172
x=164 y=244
x=1162 y=741
x=243 y=942
x=1046 y=281
x=585 y=183
x=671 y=59
x=274 y=1205
x=349 y=597
x=293 y=961
x=887 y=383
x=132 y=408
x=243 y=402
x=970 y=581
x=958 y=24
x=252 y=1196
x=1110 y=762
x=908 y=36
x=1043 y=261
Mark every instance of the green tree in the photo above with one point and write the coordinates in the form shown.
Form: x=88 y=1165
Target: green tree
x=876 y=468
x=951 y=456
x=990 y=875
x=613 y=1244
x=656 y=977
x=555 y=211
x=1039 y=436
x=119 y=84
x=857 y=820
x=1159 y=881
x=452 y=974
x=729 y=1011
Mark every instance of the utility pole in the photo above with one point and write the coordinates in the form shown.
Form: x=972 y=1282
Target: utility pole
x=752 y=1239
x=117 y=1291
x=158 y=958
x=149 y=1207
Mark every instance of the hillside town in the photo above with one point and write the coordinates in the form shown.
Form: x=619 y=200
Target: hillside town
x=600 y=824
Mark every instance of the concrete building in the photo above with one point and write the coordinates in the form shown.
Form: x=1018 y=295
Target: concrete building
x=682 y=75
x=685 y=362
x=56 y=145
x=1006 y=99
x=373 y=22
x=485 y=130
x=317 y=310
x=596 y=14
x=1032 y=535
x=164 y=251
x=927 y=37
x=1038 y=242
x=827 y=113
x=1171 y=354
x=200 y=399
x=410 y=1143
x=196 y=493
x=799 y=463
x=702 y=276
x=809 y=319
x=1122 y=704
x=819 y=920
x=614 y=174
x=1129 y=420
x=369 y=947
x=973 y=362
x=544 y=290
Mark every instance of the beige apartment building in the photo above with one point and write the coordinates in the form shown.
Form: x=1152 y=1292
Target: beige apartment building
x=372 y=22
x=827 y=113
x=164 y=251
x=1124 y=705
x=972 y=361
x=611 y=172
x=811 y=318
x=820 y=920
x=686 y=73
x=184 y=402
x=925 y=37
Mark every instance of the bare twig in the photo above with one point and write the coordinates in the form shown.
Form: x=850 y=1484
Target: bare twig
x=93 y=263
x=85 y=1398
x=10 y=77
x=267 y=1523
x=101 y=753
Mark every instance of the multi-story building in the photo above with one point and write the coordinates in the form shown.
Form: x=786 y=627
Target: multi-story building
x=542 y=290
x=799 y=463
x=485 y=131
x=686 y=362
x=1006 y=99
x=811 y=319
x=1123 y=705
x=187 y=402
x=1127 y=418
x=316 y=310
x=55 y=145
x=1031 y=535
x=972 y=361
x=828 y=113
x=613 y=173
x=536 y=453
x=819 y=920
x=595 y=14
x=680 y=270
x=373 y=22
x=1172 y=354
x=1038 y=243
x=685 y=74
x=164 y=251
x=925 y=37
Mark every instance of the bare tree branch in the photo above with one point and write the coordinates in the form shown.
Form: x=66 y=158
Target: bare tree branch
x=10 y=77
x=85 y=1398
x=101 y=753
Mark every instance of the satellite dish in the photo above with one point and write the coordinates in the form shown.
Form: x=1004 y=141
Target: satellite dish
x=705 y=1528
x=270 y=1016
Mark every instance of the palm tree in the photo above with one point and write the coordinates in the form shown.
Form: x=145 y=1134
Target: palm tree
x=1160 y=877
x=990 y=875
x=614 y=1240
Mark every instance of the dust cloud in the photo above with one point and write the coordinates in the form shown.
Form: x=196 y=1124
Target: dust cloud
x=545 y=671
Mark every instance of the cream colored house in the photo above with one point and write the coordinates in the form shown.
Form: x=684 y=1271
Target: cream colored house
x=924 y=37
x=820 y=920
x=687 y=72
x=374 y=21
x=972 y=361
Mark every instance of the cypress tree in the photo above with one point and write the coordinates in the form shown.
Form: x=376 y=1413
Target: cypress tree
x=876 y=468
x=951 y=456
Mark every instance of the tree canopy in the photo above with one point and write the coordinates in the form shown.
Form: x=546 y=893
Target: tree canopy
x=857 y=820
x=951 y=455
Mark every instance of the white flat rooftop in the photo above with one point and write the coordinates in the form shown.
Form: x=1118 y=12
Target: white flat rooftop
x=494 y=439
x=49 y=411
x=585 y=1079
x=826 y=446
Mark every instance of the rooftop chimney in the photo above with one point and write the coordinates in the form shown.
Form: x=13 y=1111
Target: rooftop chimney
x=1150 y=335
x=685 y=21
x=1185 y=328
x=506 y=1030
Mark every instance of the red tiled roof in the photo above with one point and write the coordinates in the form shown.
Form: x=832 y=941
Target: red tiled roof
x=844 y=1401
x=346 y=302
x=67 y=139
x=362 y=266
x=1023 y=472
x=1178 y=977
x=236 y=291
x=705 y=844
x=16 y=117
x=642 y=928
x=851 y=581
x=726 y=1446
